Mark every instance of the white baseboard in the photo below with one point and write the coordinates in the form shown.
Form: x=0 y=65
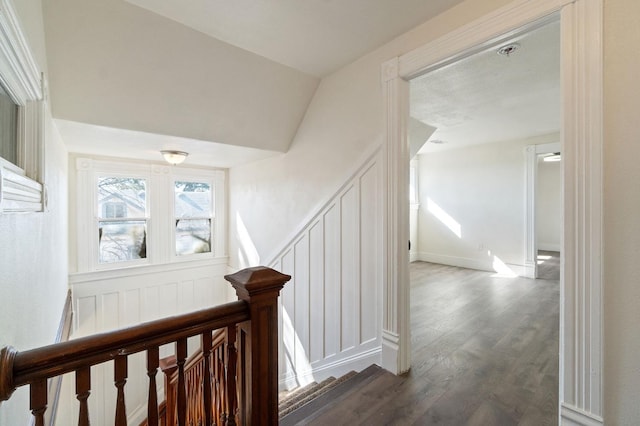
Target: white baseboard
x=529 y=270
x=336 y=369
x=469 y=263
x=413 y=256
x=573 y=416
x=463 y=262
x=549 y=246
x=390 y=351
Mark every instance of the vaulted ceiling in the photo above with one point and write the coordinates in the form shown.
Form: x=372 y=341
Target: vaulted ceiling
x=232 y=80
x=145 y=82
x=314 y=36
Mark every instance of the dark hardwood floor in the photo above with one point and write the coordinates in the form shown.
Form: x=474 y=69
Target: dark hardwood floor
x=484 y=351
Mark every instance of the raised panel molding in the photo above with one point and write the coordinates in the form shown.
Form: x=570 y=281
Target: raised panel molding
x=329 y=316
x=581 y=331
x=114 y=299
x=572 y=416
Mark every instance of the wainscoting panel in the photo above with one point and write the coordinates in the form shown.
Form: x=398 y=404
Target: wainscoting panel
x=330 y=319
x=110 y=300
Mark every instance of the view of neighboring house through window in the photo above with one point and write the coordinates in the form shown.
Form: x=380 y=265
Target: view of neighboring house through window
x=8 y=127
x=122 y=219
x=193 y=217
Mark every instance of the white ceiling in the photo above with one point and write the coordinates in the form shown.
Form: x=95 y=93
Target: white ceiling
x=313 y=36
x=89 y=139
x=489 y=98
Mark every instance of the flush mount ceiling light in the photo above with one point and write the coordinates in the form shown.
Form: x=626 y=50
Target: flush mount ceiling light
x=174 y=157
x=508 y=49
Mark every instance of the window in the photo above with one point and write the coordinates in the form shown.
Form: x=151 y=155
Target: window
x=192 y=210
x=122 y=225
x=21 y=120
x=132 y=214
x=8 y=127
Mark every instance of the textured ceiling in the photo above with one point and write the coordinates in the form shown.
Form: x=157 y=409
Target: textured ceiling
x=313 y=36
x=489 y=98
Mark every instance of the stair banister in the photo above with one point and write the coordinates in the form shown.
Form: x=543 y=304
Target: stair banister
x=255 y=315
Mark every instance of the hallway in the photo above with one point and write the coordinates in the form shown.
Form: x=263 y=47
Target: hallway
x=484 y=352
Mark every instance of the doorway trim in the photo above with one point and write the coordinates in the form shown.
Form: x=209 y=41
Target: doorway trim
x=531 y=181
x=581 y=331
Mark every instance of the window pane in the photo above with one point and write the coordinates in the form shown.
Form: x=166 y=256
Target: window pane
x=121 y=197
x=8 y=128
x=122 y=241
x=193 y=199
x=193 y=236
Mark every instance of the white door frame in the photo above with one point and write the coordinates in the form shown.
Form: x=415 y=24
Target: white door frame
x=531 y=181
x=581 y=328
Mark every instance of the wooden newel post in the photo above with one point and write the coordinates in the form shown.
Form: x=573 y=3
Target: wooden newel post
x=260 y=287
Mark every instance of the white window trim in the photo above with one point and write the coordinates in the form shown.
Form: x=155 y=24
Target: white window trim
x=20 y=187
x=217 y=181
x=160 y=212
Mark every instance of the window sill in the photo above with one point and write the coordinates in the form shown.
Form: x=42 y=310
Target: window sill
x=18 y=193
x=83 y=277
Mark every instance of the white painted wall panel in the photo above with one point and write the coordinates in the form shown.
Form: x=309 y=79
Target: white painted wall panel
x=316 y=293
x=332 y=281
x=349 y=280
x=288 y=295
x=330 y=308
x=302 y=301
x=370 y=250
x=111 y=300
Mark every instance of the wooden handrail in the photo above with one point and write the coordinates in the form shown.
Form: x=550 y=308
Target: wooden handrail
x=61 y=358
x=254 y=372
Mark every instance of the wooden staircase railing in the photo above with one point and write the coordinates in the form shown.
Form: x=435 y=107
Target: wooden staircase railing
x=254 y=317
x=221 y=358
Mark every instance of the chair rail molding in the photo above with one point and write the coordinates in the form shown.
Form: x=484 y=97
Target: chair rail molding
x=581 y=339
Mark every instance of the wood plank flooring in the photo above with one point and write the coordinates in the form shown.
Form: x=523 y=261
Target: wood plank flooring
x=484 y=351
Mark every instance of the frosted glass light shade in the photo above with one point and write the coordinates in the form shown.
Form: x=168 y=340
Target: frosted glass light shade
x=174 y=157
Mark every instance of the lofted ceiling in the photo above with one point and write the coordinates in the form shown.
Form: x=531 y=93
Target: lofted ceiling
x=314 y=36
x=203 y=76
x=490 y=98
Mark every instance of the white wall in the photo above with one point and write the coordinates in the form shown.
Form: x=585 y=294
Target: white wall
x=548 y=205
x=271 y=200
x=621 y=219
x=330 y=311
x=342 y=126
x=472 y=203
x=115 y=64
x=33 y=246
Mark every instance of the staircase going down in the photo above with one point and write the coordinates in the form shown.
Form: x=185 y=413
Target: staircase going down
x=305 y=404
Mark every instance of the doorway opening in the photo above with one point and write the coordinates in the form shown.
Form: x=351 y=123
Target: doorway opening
x=474 y=317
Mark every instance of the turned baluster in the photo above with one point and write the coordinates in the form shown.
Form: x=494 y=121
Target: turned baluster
x=120 y=379
x=153 y=360
x=232 y=360
x=206 y=387
x=223 y=385
x=83 y=390
x=216 y=389
x=181 y=356
x=38 y=401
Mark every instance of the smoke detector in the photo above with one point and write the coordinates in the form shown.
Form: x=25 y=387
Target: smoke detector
x=508 y=49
